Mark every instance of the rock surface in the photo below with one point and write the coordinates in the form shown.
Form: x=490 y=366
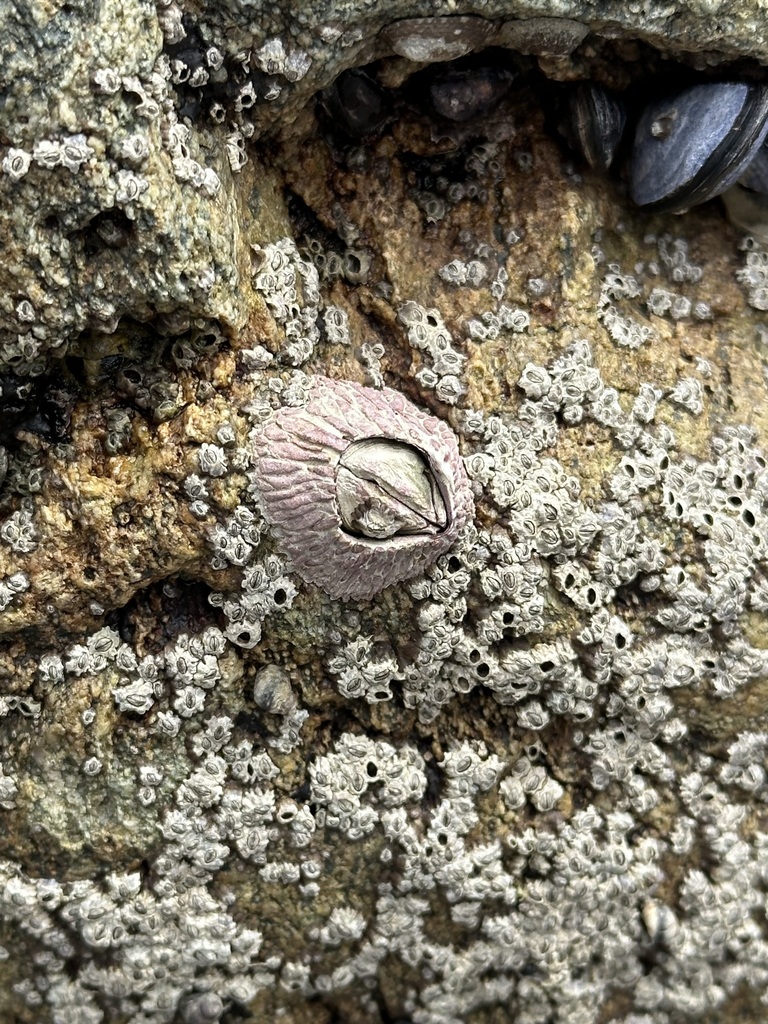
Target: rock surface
x=527 y=783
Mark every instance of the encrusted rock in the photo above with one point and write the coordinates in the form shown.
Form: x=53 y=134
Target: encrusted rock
x=522 y=775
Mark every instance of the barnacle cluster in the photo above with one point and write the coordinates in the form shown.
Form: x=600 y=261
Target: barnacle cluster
x=383 y=561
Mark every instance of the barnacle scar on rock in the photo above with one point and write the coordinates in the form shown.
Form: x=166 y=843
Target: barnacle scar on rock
x=363 y=488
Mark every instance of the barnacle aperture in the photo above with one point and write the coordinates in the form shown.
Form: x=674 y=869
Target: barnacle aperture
x=362 y=488
x=385 y=488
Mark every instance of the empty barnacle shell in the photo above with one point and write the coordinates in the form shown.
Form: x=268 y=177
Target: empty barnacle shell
x=693 y=146
x=427 y=40
x=363 y=489
x=355 y=103
x=596 y=124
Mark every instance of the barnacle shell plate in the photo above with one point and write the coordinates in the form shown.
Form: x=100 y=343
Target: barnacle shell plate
x=298 y=455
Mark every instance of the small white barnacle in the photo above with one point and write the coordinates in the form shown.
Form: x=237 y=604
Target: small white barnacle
x=106 y=80
x=130 y=186
x=74 y=152
x=134 y=150
x=271 y=56
x=362 y=487
x=214 y=58
x=535 y=381
x=47 y=154
x=16 y=163
x=212 y=460
x=92 y=766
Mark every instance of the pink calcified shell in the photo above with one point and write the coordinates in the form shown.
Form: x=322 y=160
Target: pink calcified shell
x=296 y=459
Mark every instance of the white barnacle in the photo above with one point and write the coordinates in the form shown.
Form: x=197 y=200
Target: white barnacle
x=449 y=388
x=147 y=106
x=296 y=66
x=214 y=58
x=212 y=460
x=16 y=163
x=198 y=78
x=92 y=766
x=130 y=187
x=454 y=273
x=204 y=1008
x=149 y=775
x=106 y=80
x=336 y=325
x=9 y=789
x=51 y=669
x=168 y=723
x=271 y=56
x=517 y=320
x=687 y=393
x=535 y=381
x=17 y=582
x=195 y=486
x=134 y=150
x=47 y=154
x=136 y=696
x=210 y=183
x=344 y=925
x=389 y=492
x=75 y=151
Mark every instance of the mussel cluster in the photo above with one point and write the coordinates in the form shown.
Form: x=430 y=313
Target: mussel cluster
x=687 y=147
x=682 y=147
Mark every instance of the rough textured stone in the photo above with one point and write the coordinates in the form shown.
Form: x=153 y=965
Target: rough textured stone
x=526 y=784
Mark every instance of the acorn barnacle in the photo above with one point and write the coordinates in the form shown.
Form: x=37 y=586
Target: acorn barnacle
x=362 y=488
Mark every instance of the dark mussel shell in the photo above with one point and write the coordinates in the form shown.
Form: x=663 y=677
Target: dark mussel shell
x=694 y=145
x=755 y=177
x=355 y=104
x=464 y=94
x=747 y=210
x=596 y=123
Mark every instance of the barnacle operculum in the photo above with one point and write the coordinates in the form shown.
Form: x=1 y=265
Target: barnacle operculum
x=362 y=487
x=385 y=488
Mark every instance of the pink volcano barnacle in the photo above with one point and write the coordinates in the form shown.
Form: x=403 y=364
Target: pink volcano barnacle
x=362 y=488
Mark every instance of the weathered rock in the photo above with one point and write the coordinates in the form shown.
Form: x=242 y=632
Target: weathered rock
x=528 y=783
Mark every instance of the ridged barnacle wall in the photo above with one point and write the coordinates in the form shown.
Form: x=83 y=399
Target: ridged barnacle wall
x=362 y=487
